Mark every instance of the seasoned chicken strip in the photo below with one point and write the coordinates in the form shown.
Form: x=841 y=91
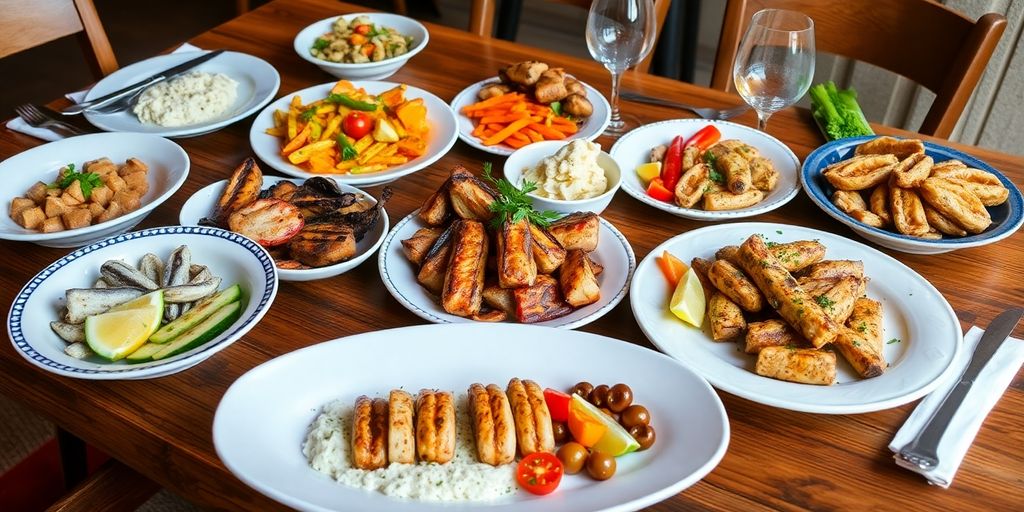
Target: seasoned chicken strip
x=700 y=267
x=763 y=174
x=726 y=318
x=865 y=359
x=369 y=433
x=547 y=252
x=732 y=282
x=834 y=269
x=464 y=281
x=771 y=333
x=401 y=428
x=838 y=300
x=494 y=424
x=719 y=201
x=436 y=208
x=516 y=264
x=532 y=418
x=435 y=426
x=579 y=284
x=806 y=366
x=866 y=319
x=577 y=231
x=796 y=256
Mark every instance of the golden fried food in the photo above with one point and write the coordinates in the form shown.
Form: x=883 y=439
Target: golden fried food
x=868 y=218
x=984 y=184
x=908 y=212
x=547 y=252
x=866 y=319
x=806 y=366
x=834 y=269
x=532 y=418
x=579 y=284
x=691 y=185
x=493 y=424
x=796 y=256
x=578 y=230
x=435 y=426
x=401 y=428
x=700 y=267
x=516 y=264
x=860 y=172
x=848 y=201
x=865 y=359
x=369 y=433
x=911 y=171
x=737 y=173
x=763 y=174
x=717 y=201
x=941 y=223
x=732 y=282
x=464 y=279
x=946 y=166
x=728 y=253
x=771 y=333
x=954 y=201
x=726 y=318
x=691 y=157
x=900 y=148
x=839 y=299
x=878 y=203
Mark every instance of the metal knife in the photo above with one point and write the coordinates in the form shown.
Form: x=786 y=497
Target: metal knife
x=922 y=451
x=142 y=84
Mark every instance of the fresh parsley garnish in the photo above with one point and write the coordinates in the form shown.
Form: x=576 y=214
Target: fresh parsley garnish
x=86 y=180
x=308 y=115
x=556 y=107
x=825 y=302
x=321 y=43
x=894 y=340
x=862 y=327
x=348 y=151
x=513 y=205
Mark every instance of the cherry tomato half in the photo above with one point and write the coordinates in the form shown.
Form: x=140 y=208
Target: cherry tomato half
x=357 y=125
x=539 y=473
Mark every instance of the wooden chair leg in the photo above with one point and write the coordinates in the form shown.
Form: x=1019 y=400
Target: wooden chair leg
x=241 y=7
x=72 y=458
x=113 y=488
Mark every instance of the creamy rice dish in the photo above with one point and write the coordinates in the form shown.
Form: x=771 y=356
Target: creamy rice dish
x=463 y=479
x=571 y=173
x=189 y=99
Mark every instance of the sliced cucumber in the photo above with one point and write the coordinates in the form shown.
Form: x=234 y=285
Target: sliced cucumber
x=144 y=353
x=202 y=332
x=197 y=314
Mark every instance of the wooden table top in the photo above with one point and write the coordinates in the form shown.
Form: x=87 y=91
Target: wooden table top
x=777 y=459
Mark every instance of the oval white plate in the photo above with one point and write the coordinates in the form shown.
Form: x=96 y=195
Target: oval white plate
x=914 y=312
x=591 y=129
x=399 y=276
x=230 y=256
x=257 y=84
x=168 y=168
x=284 y=395
x=634 y=148
x=442 y=134
x=201 y=205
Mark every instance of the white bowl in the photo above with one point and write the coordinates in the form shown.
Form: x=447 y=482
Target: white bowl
x=201 y=205
x=233 y=257
x=168 y=168
x=364 y=70
x=530 y=155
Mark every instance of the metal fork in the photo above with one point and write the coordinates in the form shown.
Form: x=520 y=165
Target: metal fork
x=706 y=113
x=37 y=119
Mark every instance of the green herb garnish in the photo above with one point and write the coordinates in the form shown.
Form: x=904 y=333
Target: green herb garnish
x=354 y=104
x=513 y=205
x=320 y=43
x=86 y=180
x=862 y=327
x=308 y=115
x=894 y=340
x=348 y=151
x=825 y=302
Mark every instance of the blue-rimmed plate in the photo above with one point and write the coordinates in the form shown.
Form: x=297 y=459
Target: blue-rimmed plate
x=1006 y=218
x=233 y=257
x=399 y=276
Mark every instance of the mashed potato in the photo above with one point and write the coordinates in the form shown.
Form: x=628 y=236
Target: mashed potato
x=572 y=173
x=462 y=479
x=189 y=99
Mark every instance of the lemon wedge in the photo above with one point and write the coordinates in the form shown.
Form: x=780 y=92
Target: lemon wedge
x=120 y=331
x=648 y=171
x=688 y=302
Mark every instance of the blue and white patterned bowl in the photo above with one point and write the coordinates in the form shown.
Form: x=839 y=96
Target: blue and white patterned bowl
x=1006 y=218
x=230 y=256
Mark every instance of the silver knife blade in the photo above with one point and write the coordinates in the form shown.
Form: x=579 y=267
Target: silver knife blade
x=997 y=331
x=146 y=82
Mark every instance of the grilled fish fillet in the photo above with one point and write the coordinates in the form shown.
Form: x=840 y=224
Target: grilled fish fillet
x=579 y=284
x=469 y=197
x=401 y=428
x=493 y=424
x=516 y=264
x=726 y=318
x=418 y=245
x=435 y=426
x=435 y=263
x=532 y=418
x=806 y=366
x=369 y=433
x=541 y=302
x=547 y=252
x=771 y=333
x=464 y=281
x=577 y=231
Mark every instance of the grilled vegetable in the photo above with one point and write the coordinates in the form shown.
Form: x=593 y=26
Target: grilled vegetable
x=269 y=222
x=242 y=188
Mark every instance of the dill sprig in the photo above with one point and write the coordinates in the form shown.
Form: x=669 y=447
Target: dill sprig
x=513 y=205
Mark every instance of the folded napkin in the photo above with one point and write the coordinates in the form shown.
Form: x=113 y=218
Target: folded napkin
x=987 y=390
x=19 y=125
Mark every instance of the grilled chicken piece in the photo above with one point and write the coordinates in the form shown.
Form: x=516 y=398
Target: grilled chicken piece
x=418 y=245
x=579 y=284
x=577 y=231
x=436 y=208
x=806 y=366
x=369 y=433
x=435 y=264
x=547 y=252
x=532 y=418
x=771 y=333
x=312 y=204
x=866 y=359
x=834 y=269
x=516 y=265
x=243 y=187
x=499 y=298
x=541 y=302
x=493 y=424
x=269 y=222
x=401 y=428
x=726 y=318
x=464 y=281
x=435 y=426
x=470 y=197
x=322 y=244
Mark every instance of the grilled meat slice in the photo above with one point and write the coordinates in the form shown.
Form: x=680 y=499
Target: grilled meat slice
x=516 y=265
x=470 y=197
x=418 y=245
x=436 y=208
x=242 y=189
x=579 y=284
x=313 y=205
x=464 y=282
x=577 y=231
x=499 y=298
x=322 y=244
x=547 y=252
x=282 y=190
x=435 y=263
x=359 y=221
x=269 y=222
x=541 y=302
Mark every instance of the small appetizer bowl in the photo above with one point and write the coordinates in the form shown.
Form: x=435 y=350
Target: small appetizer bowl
x=364 y=70
x=531 y=155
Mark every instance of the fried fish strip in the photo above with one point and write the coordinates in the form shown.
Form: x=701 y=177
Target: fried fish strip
x=908 y=212
x=369 y=433
x=532 y=418
x=464 y=281
x=401 y=428
x=692 y=185
x=848 y=201
x=763 y=174
x=878 y=203
x=738 y=178
x=493 y=424
x=838 y=300
x=860 y=172
x=901 y=148
x=806 y=366
x=516 y=264
x=771 y=333
x=984 y=184
x=547 y=252
x=834 y=269
x=726 y=318
x=866 y=319
x=862 y=356
x=911 y=171
x=735 y=285
x=435 y=426
x=798 y=255
x=941 y=223
x=719 y=201
x=958 y=204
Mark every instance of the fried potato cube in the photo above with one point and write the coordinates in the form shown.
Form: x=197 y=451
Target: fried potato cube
x=112 y=212
x=806 y=366
x=137 y=182
x=30 y=218
x=96 y=209
x=37 y=192
x=128 y=200
x=99 y=166
x=69 y=199
x=54 y=207
x=76 y=218
x=20 y=203
x=132 y=166
x=52 y=225
x=900 y=148
x=75 y=191
x=114 y=182
x=101 y=195
x=579 y=284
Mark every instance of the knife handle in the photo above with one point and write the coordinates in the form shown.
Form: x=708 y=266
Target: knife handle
x=922 y=451
x=110 y=98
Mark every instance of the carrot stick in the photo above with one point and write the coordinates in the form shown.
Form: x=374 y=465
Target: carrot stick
x=548 y=132
x=533 y=135
x=492 y=101
x=496 y=127
x=479 y=129
x=508 y=118
x=515 y=143
x=519 y=136
x=298 y=141
x=497 y=138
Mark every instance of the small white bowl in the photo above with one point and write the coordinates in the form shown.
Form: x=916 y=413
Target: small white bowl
x=531 y=154
x=364 y=70
x=168 y=168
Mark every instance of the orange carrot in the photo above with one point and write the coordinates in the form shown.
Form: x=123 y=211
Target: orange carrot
x=533 y=135
x=519 y=107
x=515 y=143
x=479 y=129
x=496 y=127
x=492 y=101
x=549 y=133
x=298 y=141
x=504 y=119
x=499 y=137
x=519 y=136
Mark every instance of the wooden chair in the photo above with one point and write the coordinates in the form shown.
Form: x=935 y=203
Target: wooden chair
x=29 y=24
x=481 y=20
x=938 y=48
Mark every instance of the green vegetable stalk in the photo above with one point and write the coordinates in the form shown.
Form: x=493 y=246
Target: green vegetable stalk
x=352 y=103
x=837 y=112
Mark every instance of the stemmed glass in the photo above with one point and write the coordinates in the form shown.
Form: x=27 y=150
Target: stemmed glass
x=775 y=62
x=620 y=34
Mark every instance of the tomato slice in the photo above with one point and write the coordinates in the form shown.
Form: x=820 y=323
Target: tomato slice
x=657 y=190
x=539 y=473
x=672 y=267
x=558 y=404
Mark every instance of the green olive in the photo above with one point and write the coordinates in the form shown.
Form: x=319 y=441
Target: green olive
x=644 y=434
x=599 y=396
x=635 y=415
x=600 y=466
x=573 y=456
x=620 y=396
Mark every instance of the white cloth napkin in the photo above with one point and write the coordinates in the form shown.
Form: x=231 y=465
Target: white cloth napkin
x=19 y=125
x=988 y=388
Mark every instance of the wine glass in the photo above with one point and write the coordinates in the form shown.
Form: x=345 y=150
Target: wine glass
x=620 y=34
x=775 y=62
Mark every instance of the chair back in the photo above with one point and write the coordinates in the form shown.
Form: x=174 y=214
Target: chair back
x=27 y=24
x=929 y=43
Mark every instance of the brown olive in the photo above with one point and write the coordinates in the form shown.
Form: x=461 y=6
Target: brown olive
x=599 y=396
x=609 y=413
x=600 y=466
x=573 y=456
x=635 y=415
x=582 y=389
x=620 y=396
x=560 y=431
x=644 y=434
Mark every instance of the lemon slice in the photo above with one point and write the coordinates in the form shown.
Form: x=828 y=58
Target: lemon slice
x=688 y=302
x=120 y=331
x=616 y=440
x=648 y=171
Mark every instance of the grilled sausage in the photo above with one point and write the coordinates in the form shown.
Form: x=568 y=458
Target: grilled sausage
x=401 y=428
x=369 y=433
x=493 y=424
x=435 y=426
x=532 y=418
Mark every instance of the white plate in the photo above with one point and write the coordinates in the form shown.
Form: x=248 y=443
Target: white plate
x=257 y=84
x=634 y=148
x=591 y=129
x=441 y=137
x=364 y=70
x=284 y=395
x=914 y=311
x=201 y=205
x=399 y=276
x=230 y=256
x=168 y=168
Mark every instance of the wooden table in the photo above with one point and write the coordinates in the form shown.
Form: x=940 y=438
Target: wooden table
x=777 y=459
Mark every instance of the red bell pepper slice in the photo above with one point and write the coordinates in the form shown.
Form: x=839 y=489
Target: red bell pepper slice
x=657 y=190
x=704 y=138
x=558 y=404
x=672 y=166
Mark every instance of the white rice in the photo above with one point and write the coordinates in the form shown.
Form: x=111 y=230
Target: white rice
x=189 y=99
x=462 y=479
